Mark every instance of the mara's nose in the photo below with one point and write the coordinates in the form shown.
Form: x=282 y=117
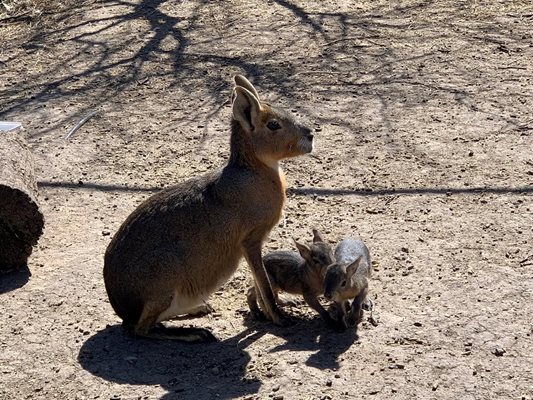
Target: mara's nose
x=308 y=134
x=327 y=296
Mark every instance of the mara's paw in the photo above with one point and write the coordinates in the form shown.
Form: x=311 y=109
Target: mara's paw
x=367 y=305
x=281 y=319
x=202 y=309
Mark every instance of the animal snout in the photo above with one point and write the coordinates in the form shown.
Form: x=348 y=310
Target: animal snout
x=327 y=295
x=307 y=132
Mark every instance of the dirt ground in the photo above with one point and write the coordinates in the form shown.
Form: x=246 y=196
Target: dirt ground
x=424 y=128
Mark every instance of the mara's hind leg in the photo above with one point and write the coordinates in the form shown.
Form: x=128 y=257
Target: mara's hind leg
x=148 y=327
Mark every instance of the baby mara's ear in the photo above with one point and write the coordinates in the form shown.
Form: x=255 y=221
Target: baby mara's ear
x=246 y=107
x=304 y=250
x=317 y=237
x=350 y=269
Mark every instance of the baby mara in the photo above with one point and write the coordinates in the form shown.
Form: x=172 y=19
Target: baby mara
x=313 y=271
x=299 y=273
x=346 y=281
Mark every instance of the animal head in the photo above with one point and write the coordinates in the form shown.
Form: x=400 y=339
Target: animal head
x=272 y=133
x=339 y=282
x=318 y=255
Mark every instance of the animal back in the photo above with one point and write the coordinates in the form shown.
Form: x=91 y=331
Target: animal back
x=348 y=250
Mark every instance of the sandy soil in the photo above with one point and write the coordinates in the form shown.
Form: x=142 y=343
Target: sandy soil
x=424 y=150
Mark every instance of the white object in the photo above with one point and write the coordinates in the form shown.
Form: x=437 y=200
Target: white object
x=7 y=126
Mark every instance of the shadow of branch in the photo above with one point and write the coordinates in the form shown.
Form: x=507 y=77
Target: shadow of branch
x=447 y=191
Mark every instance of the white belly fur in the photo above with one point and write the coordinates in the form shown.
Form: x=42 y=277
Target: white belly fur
x=181 y=305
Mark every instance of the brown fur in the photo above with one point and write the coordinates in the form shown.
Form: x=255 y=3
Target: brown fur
x=298 y=273
x=183 y=243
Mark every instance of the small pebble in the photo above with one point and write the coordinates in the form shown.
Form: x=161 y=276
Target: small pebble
x=396 y=366
x=498 y=352
x=278 y=397
x=329 y=383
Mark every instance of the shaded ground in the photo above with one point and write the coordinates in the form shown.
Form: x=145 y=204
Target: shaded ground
x=424 y=134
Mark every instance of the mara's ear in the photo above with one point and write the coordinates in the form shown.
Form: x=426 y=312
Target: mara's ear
x=304 y=250
x=317 y=237
x=350 y=269
x=245 y=83
x=246 y=107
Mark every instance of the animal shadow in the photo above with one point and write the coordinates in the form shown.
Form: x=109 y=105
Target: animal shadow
x=309 y=335
x=14 y=279
x=187 y=371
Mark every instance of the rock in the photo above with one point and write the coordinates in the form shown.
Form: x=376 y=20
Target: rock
x=21 y=220
x=498 y=352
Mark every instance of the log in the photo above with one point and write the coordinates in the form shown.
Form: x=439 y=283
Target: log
x=21 y=220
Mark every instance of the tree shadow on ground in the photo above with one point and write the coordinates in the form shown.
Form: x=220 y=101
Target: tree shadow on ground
x=14 y=279
x=186 y=371
x=355 y=56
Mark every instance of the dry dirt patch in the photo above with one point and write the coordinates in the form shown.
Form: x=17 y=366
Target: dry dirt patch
x=424 y=133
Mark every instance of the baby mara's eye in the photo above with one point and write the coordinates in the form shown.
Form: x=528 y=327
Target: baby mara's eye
x=343 y=283
x=273 y=125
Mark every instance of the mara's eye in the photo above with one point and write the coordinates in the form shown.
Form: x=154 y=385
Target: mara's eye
x=273 y=125
x=343 y=283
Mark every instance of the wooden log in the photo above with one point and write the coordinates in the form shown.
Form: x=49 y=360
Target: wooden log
x=21 y=221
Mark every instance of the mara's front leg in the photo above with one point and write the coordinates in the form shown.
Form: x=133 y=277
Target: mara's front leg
x=355 y=314
x=252 y=252
x=313 y=302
